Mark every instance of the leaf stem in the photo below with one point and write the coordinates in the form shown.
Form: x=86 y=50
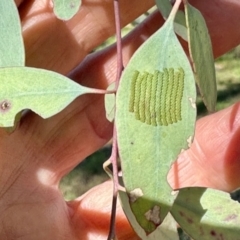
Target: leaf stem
x=119 y=43
x=102 y=91
x=114 y=155
x=175 y=9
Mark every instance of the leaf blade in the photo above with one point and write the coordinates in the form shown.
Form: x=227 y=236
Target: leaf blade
x=167 y=230
x=44 y=92
x=11 y=44
x=144 y=146
x=66 y=9
x=109 y=102
x=201 y=53
x=207 y=214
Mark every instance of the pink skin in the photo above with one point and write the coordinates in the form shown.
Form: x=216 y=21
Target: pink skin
x=40 y=152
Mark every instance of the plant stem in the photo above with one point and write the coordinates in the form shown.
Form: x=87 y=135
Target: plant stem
x=119 y=43
x=114 y=155
x=175 y=9
x=102 y=91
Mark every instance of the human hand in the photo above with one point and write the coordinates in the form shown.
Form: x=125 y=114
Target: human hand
x=40 y=152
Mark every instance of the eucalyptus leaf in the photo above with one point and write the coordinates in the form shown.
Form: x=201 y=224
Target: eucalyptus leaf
x=165 y=7
x=167 y=230
x=155 y=120
x=12 y=51
x=16 y=122
x=207 y=214
x=201 y=53
x=66 y=9
x=109 y=100
x=44 y=92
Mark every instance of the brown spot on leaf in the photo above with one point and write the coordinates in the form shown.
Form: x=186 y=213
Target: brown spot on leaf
x=213 y=233
x=181 y=213
x=201 y=231
x=5 y=106
x=190 y=221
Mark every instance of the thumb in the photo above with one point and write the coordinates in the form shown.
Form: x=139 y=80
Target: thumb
x=214 y=157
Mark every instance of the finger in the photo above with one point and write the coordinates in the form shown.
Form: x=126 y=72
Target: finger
x=91 y=215
x=60 y=45
x=213 y=161
x=18 y=2
x=104 y=64
x=59 y=143
x=97 y=71
x=60 y=137
x=214 y=157
x=49 y=42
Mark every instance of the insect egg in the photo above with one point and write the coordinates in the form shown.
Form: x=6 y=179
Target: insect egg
x=156 y=99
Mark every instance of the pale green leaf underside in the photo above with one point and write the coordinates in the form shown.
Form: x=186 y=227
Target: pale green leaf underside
x=66 y=9
x=167 y=230
x=109 y=101
x=165 y=8
x=42 y=91
x=147 y=150
x=12 y=51
x=207 y=214
x=202 y=56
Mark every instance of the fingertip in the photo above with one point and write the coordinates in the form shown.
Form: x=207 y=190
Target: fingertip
x=18 y=2
x=214 y=157
x=232 y=153
x=92 y=215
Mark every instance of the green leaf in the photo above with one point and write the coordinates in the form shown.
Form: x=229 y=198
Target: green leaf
x=15 y=124
x=165 y=7
x=42 y=91
x=11 y=43
x=110 y=106
x=155 y=120
x=66 y=9
x=202 y=56
x=167 y=230
x=207 y=214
